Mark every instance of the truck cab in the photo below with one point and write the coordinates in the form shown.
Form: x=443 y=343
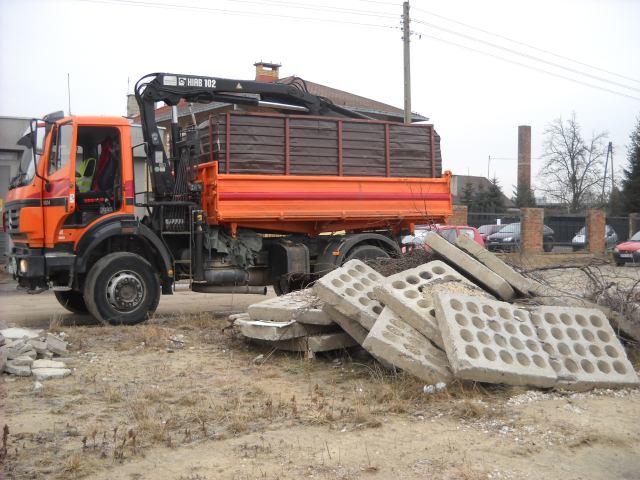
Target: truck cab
x=75 y=193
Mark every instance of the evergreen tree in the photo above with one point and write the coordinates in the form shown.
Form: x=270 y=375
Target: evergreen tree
x=480 y=199
x=467 y=195
x=630 y=192
x=495 y=197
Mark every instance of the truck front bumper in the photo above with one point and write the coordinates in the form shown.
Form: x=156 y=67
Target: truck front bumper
x=36 y=267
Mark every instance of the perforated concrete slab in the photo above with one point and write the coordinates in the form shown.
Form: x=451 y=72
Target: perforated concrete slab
x=316 y=343
x=403 y=292
x=302 y=306
x=492 y=341
x=401 y=345
x=348 y=324
x=350 y=290
x=276 y=330
x=519 y=282
x=583 y=348
x=469 y=265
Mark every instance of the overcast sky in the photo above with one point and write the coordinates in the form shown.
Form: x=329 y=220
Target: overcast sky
x=475 y=101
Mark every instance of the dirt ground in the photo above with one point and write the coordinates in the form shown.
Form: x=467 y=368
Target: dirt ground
x=140 y=405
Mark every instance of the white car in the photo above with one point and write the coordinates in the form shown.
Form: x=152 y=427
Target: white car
x=579 y=241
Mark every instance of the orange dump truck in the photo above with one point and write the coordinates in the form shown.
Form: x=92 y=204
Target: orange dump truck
x=245 y=200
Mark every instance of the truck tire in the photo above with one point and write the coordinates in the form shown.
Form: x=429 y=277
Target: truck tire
x=72 y=301
x=365 y=252
x=122 y=289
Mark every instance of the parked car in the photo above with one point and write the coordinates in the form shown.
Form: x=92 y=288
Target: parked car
x=486 y=230
x=448 y=232
x=507 y=239
x=628 y=252
x=579 y=241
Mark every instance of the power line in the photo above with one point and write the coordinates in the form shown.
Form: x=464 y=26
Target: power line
x=319 y=8
x=173 y=6
x=504 y=37
x=526 y=55
x=531 y=67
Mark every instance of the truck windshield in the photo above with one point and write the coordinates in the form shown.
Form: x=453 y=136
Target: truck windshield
x=26 y=170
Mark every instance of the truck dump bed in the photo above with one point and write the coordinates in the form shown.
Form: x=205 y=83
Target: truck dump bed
x=273 y=144
x=312 y=175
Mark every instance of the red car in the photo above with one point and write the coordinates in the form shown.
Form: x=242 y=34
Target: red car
x=448 y=232
x=628 y=252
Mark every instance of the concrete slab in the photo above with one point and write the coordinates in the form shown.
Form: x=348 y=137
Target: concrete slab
x=317 y=343
x=404 y=293
x=349 y=325
x=302 y=306
x=273 y=331
x=519 y=282
x=50 y=373
x=19 y=333
x=38 y=345
x=22 y=361
x=583 y=348
x=18 y=370
x=3 y=358
x=492 y=341
x=401 y=345
x=469 y=265
x=56 y=344
x=43 y=363
x=350 y=290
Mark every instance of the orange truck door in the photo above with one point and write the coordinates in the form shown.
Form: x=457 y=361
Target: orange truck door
x=58 y=196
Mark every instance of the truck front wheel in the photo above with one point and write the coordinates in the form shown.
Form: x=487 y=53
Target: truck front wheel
x=72 y=301
x=122 y=288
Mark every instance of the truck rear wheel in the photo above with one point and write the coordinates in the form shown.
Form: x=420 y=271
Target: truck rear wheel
x=122 y=288
x=366 y=252
x=72 y=301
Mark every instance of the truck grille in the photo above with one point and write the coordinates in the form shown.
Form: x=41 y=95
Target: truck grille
x=12 y=220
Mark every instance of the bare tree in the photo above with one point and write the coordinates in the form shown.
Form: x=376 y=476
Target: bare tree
x=573 y=170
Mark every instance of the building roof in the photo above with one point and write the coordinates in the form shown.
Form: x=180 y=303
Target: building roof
x=355 y=102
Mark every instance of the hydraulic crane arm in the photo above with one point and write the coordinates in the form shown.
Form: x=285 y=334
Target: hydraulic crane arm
x=172 y=88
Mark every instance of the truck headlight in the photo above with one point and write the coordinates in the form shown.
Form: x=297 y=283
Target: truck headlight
x=23 y=266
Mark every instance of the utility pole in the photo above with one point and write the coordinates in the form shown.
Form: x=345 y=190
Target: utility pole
x=606 y=166
x=406 y=34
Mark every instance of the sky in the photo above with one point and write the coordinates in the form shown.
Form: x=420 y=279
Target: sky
x=475 y=100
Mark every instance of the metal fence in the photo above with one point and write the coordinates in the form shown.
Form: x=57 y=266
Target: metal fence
x=621 y=226
x=476 y=219
x=566 y=228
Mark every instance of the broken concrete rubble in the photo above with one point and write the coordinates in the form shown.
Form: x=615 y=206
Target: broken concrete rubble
x=470 y=266
x=50 y=373
x=23 y=353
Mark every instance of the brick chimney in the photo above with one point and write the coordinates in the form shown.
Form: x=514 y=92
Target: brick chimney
x=524 y=157
x=267 y=72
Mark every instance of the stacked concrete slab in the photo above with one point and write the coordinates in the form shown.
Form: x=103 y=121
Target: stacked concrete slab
x=292 y=322
x=442 y=320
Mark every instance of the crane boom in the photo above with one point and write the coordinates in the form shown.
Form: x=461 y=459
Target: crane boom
x=172 y=88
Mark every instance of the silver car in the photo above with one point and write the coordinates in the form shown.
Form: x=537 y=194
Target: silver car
x=579 y=241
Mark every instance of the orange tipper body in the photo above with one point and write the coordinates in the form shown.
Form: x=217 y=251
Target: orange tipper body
x=320 y=204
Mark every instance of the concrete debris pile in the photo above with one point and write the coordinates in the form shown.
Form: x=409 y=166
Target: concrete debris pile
x=28 y=352
x=466 y=315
